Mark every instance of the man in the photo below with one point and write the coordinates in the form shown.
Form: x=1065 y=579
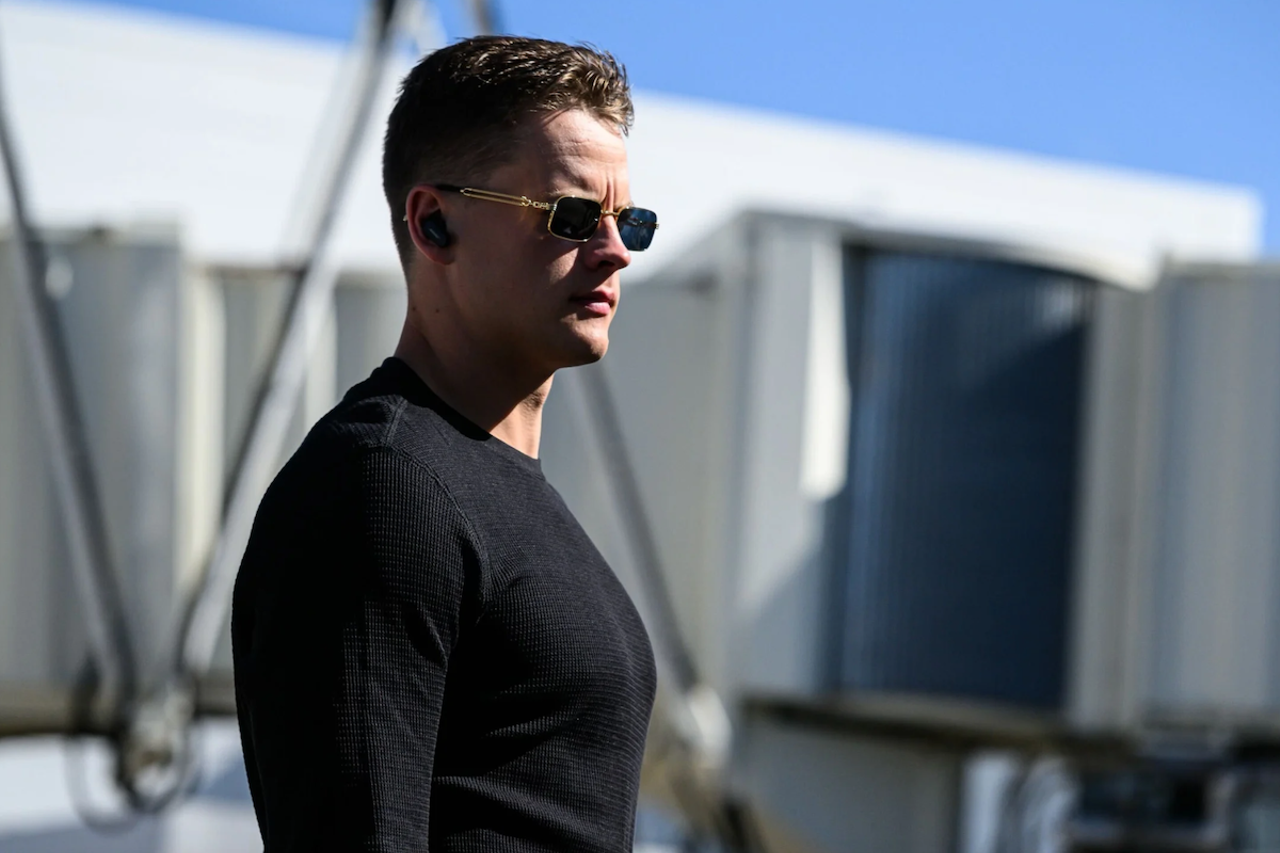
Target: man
x=429 y=652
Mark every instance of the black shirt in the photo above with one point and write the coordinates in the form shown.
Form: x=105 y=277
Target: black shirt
x=430 y=654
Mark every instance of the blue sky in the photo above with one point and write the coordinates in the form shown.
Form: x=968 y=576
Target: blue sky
x=1183 y=87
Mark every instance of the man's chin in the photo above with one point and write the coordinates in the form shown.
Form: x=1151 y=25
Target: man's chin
x=587 y=349
x=593 y=353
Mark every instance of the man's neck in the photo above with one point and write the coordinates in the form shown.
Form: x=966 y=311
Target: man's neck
x=507 y=406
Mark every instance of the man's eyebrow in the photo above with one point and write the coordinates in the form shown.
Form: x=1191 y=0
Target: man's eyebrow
x=583 y=192
x=574 y=190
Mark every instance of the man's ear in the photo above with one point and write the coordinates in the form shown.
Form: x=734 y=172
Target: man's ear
x=428 y=228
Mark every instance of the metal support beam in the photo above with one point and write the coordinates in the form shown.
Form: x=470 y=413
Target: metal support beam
x=304 y=319
x=74 y=478
x=485 y=15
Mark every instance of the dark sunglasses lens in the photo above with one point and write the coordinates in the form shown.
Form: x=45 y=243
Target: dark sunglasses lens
x=636 y=226
x=575 y=218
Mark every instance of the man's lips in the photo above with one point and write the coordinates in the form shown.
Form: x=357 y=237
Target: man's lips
x=601 y=300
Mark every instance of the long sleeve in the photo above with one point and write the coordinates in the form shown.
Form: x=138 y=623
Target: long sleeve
x=352 y=596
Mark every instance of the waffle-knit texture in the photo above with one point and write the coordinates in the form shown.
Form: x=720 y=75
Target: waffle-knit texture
x=429 y=652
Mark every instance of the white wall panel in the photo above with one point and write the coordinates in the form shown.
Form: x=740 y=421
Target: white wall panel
x=1215 y=497
x=121 y=312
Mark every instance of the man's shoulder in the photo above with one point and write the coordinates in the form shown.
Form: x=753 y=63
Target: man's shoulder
x=372 y=457
x=356 y=501
x=384 y=413
x=391 y=432
x=376 y=425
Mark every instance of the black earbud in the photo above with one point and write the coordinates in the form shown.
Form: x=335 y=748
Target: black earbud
x=433 y=228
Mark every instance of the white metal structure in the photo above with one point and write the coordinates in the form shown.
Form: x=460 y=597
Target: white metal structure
x=741 y=376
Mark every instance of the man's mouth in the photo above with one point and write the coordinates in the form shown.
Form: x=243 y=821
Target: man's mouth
x=599 y=301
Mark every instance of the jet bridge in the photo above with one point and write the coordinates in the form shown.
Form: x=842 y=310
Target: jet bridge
x=973 y=541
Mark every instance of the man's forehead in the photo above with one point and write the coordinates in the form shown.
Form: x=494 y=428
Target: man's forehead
x=569 y=148
x=575 y=134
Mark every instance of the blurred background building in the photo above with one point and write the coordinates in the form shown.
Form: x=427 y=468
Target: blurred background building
x=944 y=474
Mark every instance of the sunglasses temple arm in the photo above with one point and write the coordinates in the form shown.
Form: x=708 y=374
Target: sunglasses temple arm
x=503 y=198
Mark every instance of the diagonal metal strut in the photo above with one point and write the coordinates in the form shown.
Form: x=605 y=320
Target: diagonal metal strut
x=311 y=294
x=75 y=481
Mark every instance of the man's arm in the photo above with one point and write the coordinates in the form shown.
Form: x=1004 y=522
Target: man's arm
x=342 y=649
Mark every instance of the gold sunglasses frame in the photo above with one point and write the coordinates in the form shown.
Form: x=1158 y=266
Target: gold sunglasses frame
x=548 y=206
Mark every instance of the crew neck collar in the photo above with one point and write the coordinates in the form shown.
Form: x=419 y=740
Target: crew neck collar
x=417 y=391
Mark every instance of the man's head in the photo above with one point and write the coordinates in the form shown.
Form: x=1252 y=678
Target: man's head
x=462 y=108
x=523 y=117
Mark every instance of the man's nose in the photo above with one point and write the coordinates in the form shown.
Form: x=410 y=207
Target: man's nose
x=605 y=248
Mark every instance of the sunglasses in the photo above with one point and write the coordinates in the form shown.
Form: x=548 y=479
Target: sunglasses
x=577 y=219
